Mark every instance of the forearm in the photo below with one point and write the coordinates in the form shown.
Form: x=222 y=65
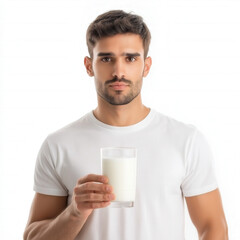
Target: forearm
x=66 y=226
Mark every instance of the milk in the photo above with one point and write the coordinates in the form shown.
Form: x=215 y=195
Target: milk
x=122 y=176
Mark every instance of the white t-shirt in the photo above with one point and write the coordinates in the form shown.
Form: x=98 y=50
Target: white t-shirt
x=174 y=161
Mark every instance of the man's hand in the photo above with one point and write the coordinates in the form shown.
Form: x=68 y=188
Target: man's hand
x=50 y=218
x=91 y=192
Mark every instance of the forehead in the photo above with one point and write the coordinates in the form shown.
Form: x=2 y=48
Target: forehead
x=120 y=43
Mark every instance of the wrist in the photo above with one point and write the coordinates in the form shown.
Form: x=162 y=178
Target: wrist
x=76 y=214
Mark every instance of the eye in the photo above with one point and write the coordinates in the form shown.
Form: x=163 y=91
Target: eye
x=106 y=59
x=131 y=59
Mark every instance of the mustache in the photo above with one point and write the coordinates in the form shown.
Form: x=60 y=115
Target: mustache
x=116 y=79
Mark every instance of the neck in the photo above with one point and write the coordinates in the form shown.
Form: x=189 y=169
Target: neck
x=121 y=115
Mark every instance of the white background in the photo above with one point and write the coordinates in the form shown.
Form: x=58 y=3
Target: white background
x=194 y=78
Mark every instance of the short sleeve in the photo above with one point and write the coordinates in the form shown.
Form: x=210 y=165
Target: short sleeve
x=199 y=171
x=46 y=178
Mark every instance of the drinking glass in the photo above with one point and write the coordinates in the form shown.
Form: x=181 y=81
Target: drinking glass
x=119 y=164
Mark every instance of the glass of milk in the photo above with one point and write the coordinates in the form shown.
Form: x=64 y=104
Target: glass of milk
x=119 y=164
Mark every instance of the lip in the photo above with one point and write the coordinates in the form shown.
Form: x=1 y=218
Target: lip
x=118 y=86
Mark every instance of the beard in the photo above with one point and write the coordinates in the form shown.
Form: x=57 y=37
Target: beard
x=118 y=97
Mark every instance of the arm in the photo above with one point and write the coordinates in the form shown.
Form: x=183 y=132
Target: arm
x=207 y=215
x=51 y=219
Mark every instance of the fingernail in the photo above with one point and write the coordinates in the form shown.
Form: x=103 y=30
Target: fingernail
x=112 y=196
x=105 y=179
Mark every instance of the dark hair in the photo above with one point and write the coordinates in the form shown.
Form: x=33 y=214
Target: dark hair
x=117 y=22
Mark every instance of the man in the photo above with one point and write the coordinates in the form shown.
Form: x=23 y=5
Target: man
x=174 y=160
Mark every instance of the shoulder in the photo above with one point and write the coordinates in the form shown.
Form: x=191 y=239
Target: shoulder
x=172 y=126
x=69 y=132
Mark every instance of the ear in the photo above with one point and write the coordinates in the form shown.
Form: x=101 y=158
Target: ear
x=147 y=66
x=88 y=66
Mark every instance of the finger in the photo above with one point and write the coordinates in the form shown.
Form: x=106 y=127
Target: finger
x=93 y=178
x=94 y=197
x=94 y=205
x=94 y=187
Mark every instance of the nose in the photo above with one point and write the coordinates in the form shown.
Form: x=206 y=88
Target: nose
x=118 y=69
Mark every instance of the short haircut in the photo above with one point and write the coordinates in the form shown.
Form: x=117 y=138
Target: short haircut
x=117 y=22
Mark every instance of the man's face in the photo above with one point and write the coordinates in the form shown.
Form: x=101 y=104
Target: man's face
x=118 y=67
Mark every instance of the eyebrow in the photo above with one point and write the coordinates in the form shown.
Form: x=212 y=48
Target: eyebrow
x=104 y=54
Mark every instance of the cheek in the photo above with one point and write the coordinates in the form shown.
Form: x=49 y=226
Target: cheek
x=101 y=71
x=137 y=70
